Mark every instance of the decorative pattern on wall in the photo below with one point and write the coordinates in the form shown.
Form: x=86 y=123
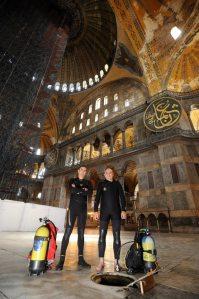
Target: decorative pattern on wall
x=162 y=114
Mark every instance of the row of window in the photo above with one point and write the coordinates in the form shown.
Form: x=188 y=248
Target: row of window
x=71 y=87
x=98 y=104
x=106 y=113
x=21 y=124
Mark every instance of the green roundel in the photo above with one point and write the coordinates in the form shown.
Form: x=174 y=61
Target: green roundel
x=162 y=114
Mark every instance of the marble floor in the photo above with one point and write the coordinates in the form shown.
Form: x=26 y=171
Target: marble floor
x=177 y=255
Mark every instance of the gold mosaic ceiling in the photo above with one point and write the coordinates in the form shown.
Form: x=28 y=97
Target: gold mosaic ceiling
x=167 y=63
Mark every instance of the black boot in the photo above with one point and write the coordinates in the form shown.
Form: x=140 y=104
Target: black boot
x=60 y=265
x=83 y=263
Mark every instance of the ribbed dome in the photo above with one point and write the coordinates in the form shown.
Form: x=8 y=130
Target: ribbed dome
x=92 y=42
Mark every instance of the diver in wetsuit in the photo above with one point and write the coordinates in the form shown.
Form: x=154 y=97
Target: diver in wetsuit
x=110 y=196
x=80 y=189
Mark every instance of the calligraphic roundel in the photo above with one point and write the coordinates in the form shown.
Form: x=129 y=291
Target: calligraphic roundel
x=51 y=158
x=162 y=114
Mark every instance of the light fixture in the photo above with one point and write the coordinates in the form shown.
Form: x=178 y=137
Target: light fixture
x=175 y=32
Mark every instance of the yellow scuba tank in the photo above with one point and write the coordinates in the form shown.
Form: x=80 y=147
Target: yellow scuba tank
x=149 y=252
x=37 y=263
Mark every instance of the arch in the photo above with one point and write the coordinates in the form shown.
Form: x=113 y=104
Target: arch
x=129 y=136
x=194 y=117
x=78 y=154
x=86 y=151
x=69 y=157
x=142 y=221
x=117 y=141
x=94 y=177
x=106 y=143
x=95 y=148
x=163 y=222
x=152 y=222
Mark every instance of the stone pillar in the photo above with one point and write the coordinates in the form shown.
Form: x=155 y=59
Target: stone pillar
x=73 y=151
x=100 y=149
x=90 y=151
x=111 y=144
x=82 y=154
x=158 y=225
x=123 y=139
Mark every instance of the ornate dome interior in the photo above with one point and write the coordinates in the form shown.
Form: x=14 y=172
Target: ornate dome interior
x=145 y=51
x=92 y=40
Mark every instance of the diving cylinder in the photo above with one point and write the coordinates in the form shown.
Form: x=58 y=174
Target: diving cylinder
x=38 y=255
x=149 y=253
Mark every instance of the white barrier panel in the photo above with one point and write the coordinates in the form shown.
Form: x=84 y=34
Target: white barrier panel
x=20 y=216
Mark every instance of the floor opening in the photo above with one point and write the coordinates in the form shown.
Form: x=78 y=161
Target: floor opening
x=111 y=279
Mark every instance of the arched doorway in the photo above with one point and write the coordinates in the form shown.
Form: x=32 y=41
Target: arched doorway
x=152 y=222
x=163 y=222
x=131 y=186
x=142 y=221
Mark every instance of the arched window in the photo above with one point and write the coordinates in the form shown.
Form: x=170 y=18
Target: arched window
x=126 y=103
x=38 y=152
x=78 y=86
x=97 y=104
x=115 y=109
x=96 y=117
x=105 y=100
x=115 y=96
x=64 y=87
x=96 y=78
x=91 y=82
x=80 y=126
x=84 y=84
x=90 y=109
x=57 y=86
x=86 y=152
x=101 y=73
x=129 y=136
x=88 y=122
x=82 y=115
x=69 y=157
x=73 y=130
x=194 y=116
x=117 y=141
x=106 y=67
x=105 y=112
x=71 y=87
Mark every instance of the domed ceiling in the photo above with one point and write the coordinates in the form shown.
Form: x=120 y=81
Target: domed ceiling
x=91 y=44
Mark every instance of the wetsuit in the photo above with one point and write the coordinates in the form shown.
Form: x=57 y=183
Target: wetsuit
x=79 y=191
x=110 y=196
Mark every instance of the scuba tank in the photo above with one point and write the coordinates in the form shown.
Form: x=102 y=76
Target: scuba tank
x=149 y=251
x=44 y=247
x=141 y=256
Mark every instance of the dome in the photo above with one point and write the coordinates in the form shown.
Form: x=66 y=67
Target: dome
x=91 y=45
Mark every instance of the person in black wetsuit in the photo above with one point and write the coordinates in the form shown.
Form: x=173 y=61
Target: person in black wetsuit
x=80 y=189
x=110 y=196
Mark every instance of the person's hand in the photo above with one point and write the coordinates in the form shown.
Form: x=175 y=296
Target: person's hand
x=73 y=185
x=123 y=215
x=85 y=189
x=96 y=216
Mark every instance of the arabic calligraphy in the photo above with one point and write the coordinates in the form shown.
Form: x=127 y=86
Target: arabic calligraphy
x=162 y=114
